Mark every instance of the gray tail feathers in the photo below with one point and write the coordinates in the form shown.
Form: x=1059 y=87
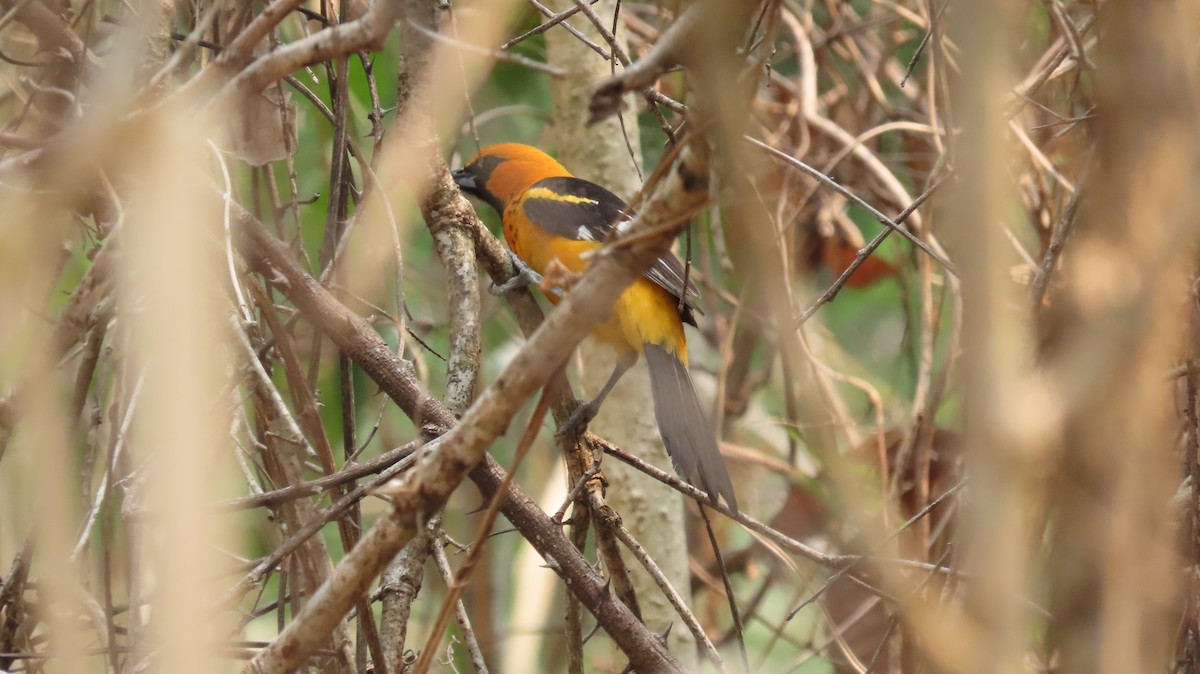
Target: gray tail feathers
x=684 y=426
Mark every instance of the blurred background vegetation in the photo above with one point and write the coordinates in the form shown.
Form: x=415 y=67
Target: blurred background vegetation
x=1052 y=364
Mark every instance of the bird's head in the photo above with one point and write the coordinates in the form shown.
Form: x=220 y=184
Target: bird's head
x=500 y=173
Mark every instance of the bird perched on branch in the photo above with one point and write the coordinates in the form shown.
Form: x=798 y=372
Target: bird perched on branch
x=552 y=218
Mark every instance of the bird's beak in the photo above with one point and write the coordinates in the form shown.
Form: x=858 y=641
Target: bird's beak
x=464 y=179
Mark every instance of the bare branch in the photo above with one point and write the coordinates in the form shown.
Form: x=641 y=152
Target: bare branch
x=437 y=473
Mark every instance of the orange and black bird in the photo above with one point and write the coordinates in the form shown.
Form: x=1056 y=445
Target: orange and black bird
x=548 y=215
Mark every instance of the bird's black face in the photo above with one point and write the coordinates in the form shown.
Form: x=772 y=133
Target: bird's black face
x=473 y=179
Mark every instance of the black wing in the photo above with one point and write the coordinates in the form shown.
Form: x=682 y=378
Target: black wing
x=574 y=208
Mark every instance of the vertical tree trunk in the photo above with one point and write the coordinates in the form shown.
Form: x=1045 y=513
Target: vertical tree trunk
x=602 y=155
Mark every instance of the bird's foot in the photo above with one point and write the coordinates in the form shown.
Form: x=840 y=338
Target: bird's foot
x=578 y=422
x=524 y=277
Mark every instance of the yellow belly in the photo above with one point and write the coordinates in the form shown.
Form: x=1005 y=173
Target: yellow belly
x=644 y=314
